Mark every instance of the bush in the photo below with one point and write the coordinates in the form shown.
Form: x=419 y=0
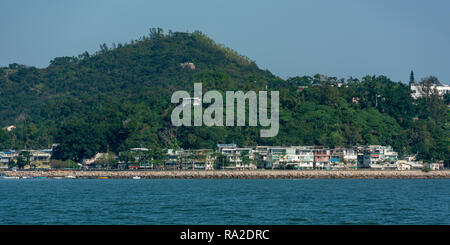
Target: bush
x=63 y=164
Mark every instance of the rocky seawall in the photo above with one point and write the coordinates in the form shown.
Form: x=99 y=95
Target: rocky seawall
x=250 y=174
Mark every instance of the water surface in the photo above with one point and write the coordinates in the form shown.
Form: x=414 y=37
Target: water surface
x=218 y=201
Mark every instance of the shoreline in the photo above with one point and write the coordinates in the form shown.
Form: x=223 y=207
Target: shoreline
x=235 y=174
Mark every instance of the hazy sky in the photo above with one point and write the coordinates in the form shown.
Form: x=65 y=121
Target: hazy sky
x=337 y=38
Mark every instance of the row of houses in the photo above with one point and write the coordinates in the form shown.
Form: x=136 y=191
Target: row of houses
x=293 y=157
x=417 y=90
x=297 y=157
x=230 y=156
x=40 y=158
x=311 y=157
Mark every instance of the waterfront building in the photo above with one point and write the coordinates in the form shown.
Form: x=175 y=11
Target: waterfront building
x=3 y=160
x=8 y=156
x=403 y=165
x=377 y=156
x=322 y=157
x=336 y=159
x=306 y=157
x=301 y=157
x=201 y=159
x=409 y=165
x=436 y=165
x=38 y=158
x=344 y=157
x=276 y=156
x=235 y=156
x=363 y=159
x=172 y=159
x=260 y=152
x=40 y=155
x=413 y=162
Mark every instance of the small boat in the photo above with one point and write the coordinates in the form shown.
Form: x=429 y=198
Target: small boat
x=57 y=177
x=136 y=177
x=26 y=177
x=103 y=177
x=70 y=177
x=10 y=177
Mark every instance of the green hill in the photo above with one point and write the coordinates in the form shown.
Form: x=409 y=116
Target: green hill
x=119 y=98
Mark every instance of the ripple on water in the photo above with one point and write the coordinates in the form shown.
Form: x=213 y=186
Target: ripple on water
x=312 y=201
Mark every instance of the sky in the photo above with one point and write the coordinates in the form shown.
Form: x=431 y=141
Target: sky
x=336 y=38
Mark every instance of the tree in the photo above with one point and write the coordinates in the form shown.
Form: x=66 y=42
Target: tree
x=20 y=162
x=245 y=157
x=23 y=159
x=157 y=155
x=6 y=139
x=257 y=161
x=108 y=160
x=447 y=99
x=126 y=158
x=221 y=161
x=427 y=85
x=104 y=48
x=78 y=140
x=11 y=163
x=144 y=157
x=63 y=164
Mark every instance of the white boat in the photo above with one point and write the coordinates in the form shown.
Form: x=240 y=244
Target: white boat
x=136 y=177
x=10 y=177
x=70 y=177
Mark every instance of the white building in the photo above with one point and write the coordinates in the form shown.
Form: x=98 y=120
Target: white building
x=276 y=156
x=235 y=155
x=436 y=166
x=261 y=152
x=41 y=155
x=299 y=156
x=420 y=91
x=377 y=156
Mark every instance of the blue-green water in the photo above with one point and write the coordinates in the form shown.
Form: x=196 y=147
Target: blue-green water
x=313 y=201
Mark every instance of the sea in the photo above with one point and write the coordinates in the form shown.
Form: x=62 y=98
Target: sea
x=219 y=201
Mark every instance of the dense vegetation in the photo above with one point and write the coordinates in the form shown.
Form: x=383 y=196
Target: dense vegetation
x=119 y=98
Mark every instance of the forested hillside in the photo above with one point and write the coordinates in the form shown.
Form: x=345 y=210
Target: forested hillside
x=119 y=98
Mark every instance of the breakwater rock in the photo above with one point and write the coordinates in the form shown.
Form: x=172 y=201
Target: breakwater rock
x=236 y=174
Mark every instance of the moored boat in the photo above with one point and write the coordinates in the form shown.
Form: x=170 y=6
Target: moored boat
x=10 y=177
